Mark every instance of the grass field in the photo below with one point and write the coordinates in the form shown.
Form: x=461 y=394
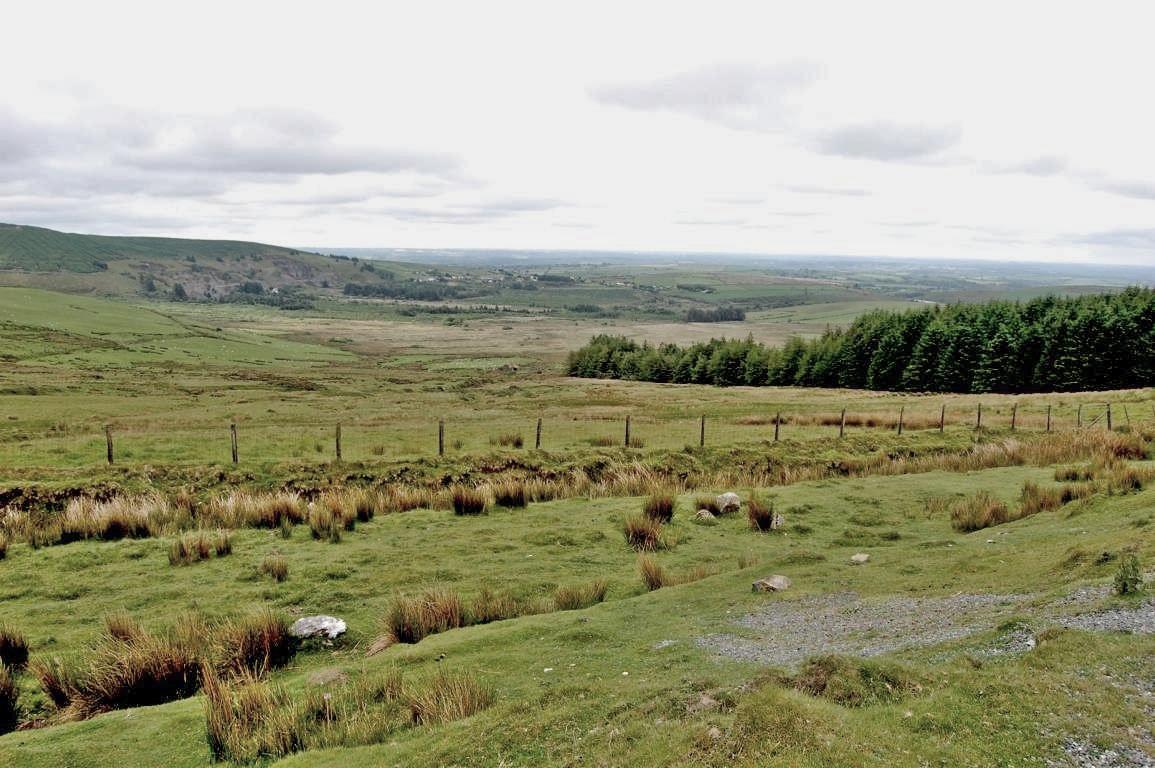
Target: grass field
x=997 y=647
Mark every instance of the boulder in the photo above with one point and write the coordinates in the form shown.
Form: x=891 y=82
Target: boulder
x=728 y=503
x=704 y=514
x=328 y=627
x=775 y=583
x=860 y=558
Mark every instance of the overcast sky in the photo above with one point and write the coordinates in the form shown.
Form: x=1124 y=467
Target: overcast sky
x=996 y=130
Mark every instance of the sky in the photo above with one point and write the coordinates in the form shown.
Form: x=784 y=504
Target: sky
x=1010 y=131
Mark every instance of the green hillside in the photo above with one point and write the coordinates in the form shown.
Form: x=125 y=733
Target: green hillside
x=45 y=250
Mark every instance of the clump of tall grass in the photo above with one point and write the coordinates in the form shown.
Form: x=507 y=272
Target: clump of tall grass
x=1128 y=576
x=469 y=501
x=572 y=598
x=411 y=619
x=654 y=576
x=122 y=626
x=275 y=566
x=978 y=511
x=1034 y=499
x=9 y=700
x=508 y=440
x=447 y=697
x=708 y=503
x=199 y=545
x=13 y=648
x=855 y=682
x=3 y=545
x=324 y=525
x=118 y=518
x=760 y=514
x=644 y=534
x=511 y=494
x=659 y=506
x=365 y=504
x=254 y=643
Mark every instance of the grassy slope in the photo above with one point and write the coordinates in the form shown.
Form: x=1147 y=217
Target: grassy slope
x=585 y=706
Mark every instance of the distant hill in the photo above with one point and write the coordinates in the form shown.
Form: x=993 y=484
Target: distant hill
x=45 y=250
x=170 y=267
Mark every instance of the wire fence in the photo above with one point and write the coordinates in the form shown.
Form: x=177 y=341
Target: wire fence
x=468 y=433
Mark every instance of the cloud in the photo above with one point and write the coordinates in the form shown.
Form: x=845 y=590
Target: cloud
x=1041 y=165
x=887 y=141
x=1117 y=238
x=474 y=212
x=816 y=189
x=1134 y=188
x=737 y=95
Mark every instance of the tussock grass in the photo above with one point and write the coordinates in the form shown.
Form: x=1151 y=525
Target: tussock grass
x=9 y=700
x=977 y=511
x=324 y=525
x=708 y=503
x=1034 y=499
x=508 y=440
x=644 y=534
x=122 y=626
x=760 y=514
x=659 y=506
x=199 y=545
x=853 y=682
x=469 y=501
x=511 y=494
x=253 y=644
x=13 y=648
x=275 y=566
x=654 y=576
x=3 y=545
x=572 y=598
x=411 y=619
x=447 y=697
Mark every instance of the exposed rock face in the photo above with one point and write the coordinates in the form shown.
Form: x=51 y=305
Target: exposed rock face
x=329 y=627
x=775 y=583
x=728 y=503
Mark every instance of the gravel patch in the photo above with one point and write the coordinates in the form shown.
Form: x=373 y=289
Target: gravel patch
x=1139 y=619
x=785 y=632
x=1083 y=754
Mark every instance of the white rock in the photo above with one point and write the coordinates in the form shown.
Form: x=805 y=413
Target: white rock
x=775 y=583
x=728 y=502
x=860 y=558
x=318 y=626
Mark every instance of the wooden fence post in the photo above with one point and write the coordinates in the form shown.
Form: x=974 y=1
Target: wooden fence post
x=777 y=421
x=441 y=437
x=1079 y=418
x=942 y=419
x=233 y=435
x=627 y=443
x=901 y=413
x=1048 y=418
x=842 y=423
x=537 y=436
x=338 y=441
x=979 y=418
x=108 y=442
x=1108 y=417
x=1127 y=416
x=1014 y=415
x=702 y=433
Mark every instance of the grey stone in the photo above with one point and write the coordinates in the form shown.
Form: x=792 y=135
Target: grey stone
x=328 y=627
x=728 y=503
x=775 y=583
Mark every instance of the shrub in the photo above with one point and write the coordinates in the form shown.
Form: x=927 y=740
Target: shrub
x=978 y=511
x=469 y=501
x=9 y=700
x=275 y=566
x=447 y=697
x=582 y=596
x=760 y=514
x=13 y=648
x=653 y=575
x=659 y=507
x=854 y=682
x=511 y=494
x=644 y=534
x=1128 y=577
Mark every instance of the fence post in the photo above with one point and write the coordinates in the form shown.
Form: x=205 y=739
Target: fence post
x=842 y=423
x=537 y=436
x=979 y=418
x=1108 y=417
x=1014 y=415
x=777 y=422
x=942 y=419
x=233 y=435
x=108 y=442
x=627 y=442
x=1127 y=415
x=901 y=413
x=702 y=433
x=1048 y=418
x=338 y=441
x=441 y=437
x=1079 y=418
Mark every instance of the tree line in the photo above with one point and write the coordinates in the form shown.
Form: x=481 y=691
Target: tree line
x=1093 y=342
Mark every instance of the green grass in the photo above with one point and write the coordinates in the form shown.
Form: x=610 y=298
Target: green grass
x=59 y=605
